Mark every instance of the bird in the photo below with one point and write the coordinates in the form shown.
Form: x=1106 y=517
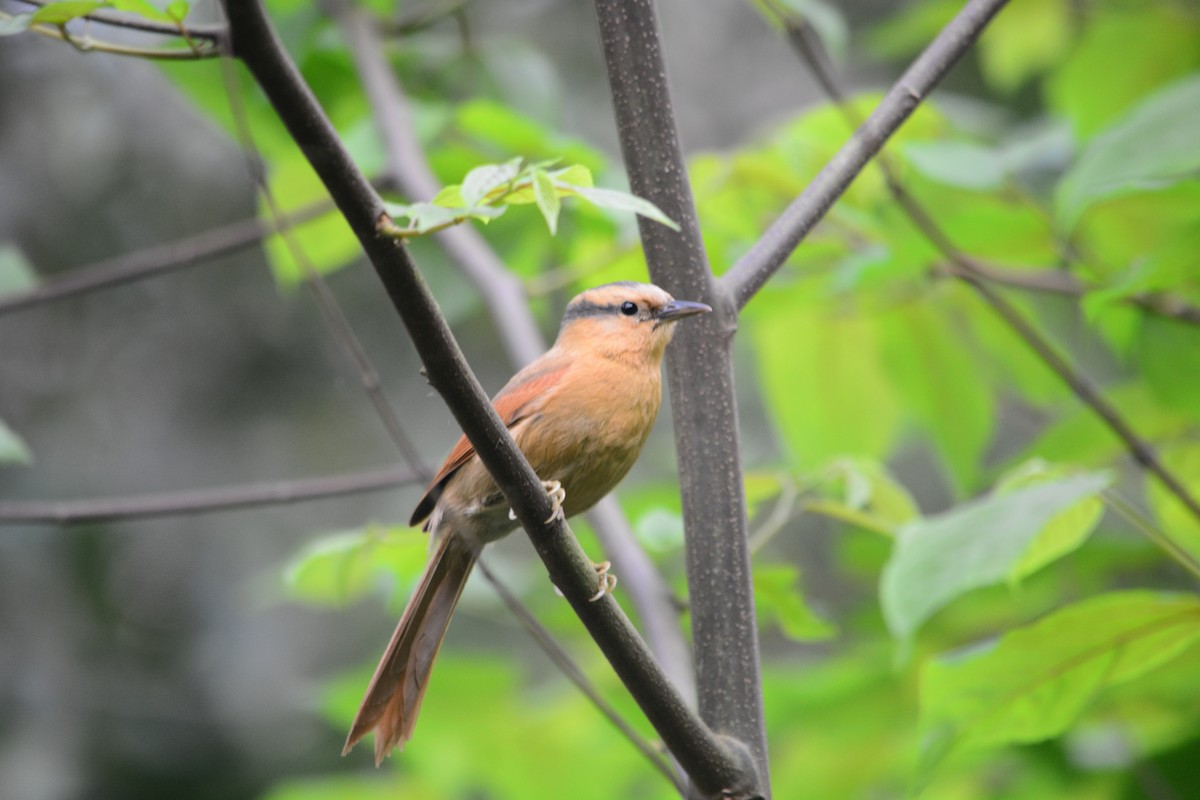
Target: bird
x=580 y=413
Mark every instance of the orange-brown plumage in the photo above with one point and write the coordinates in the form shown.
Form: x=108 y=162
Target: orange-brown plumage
x=580 y=413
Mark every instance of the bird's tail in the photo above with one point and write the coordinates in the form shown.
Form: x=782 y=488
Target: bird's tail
x=394 y=695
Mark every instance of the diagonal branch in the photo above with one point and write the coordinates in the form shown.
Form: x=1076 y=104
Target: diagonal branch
x=200 y=501
x=408 y=168
x=807 y=45
x=768 y=254
x=1160 y=304
x=706 y=758
x=980 y=277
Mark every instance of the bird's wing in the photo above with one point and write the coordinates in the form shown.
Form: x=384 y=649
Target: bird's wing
x=519 y=398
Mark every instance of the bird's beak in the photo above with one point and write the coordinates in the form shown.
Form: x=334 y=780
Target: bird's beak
x=678 y=309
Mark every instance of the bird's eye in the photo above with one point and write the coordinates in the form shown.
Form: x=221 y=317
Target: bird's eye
x=628 y=308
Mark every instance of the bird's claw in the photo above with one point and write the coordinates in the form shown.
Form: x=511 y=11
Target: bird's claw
x=607 y=580
x=558 y=496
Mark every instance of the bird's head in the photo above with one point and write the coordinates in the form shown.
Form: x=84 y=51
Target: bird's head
x=635 y=319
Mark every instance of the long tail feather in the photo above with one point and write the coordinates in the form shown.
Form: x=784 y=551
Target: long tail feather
x=394 y=696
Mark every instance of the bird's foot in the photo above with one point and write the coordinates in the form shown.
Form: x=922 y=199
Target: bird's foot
x=558 y=496
x=607 y=580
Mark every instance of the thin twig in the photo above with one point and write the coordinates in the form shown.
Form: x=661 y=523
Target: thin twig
x=1084 y=389
x=334 y=317
x=709 y=761
x=567 y=666
x=89 y=45
x=781 y=514
x=159 y=259
x=1160 y=304
x=201 y=501
x=1151 y=532
x=213 y=33
x=977 y=277
x=768 y=254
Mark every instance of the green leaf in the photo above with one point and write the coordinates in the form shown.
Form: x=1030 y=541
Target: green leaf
x=938 y=558
x=340 y=787
x=1169 y=354
x=572 y=177
x=624 y=201
x=16 y=275
x=1062 y=533
x=911 y=29
x=936 y=373
x=178 y=10
x=339 y=567
x=12 y=448
x=547 y=199
x=1029 y=37
x=63 y=12
x=484 y=179
x=861 y=491
x=1152 y=146
x=778 y=597
x=1155 y=43
x=17 y=23
x=1034 y=683
x=823 y=380
x=1183 y=460
x=143 y=9
x=956 y=163
x=507 y=131
x=327 y=242
x=660 y=530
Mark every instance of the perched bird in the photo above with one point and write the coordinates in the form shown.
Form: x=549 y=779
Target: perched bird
x=580 y=414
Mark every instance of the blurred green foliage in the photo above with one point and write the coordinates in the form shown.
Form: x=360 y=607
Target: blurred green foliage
x=1043 y=648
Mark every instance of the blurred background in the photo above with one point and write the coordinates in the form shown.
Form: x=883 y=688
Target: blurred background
x=220 y=654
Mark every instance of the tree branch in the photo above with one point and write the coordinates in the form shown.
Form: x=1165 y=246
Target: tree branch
x=1160 y=304
x=700 y=374
x=507 y=304
x=567 y=666
x=1083 y=388
x=978 y=277
x=706 y=758
x=340 y=327
x=768 y=254
x=158 y=259
x=201 y=501
x=656 y=606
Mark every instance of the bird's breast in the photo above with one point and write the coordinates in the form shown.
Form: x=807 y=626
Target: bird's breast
x=590 y=432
